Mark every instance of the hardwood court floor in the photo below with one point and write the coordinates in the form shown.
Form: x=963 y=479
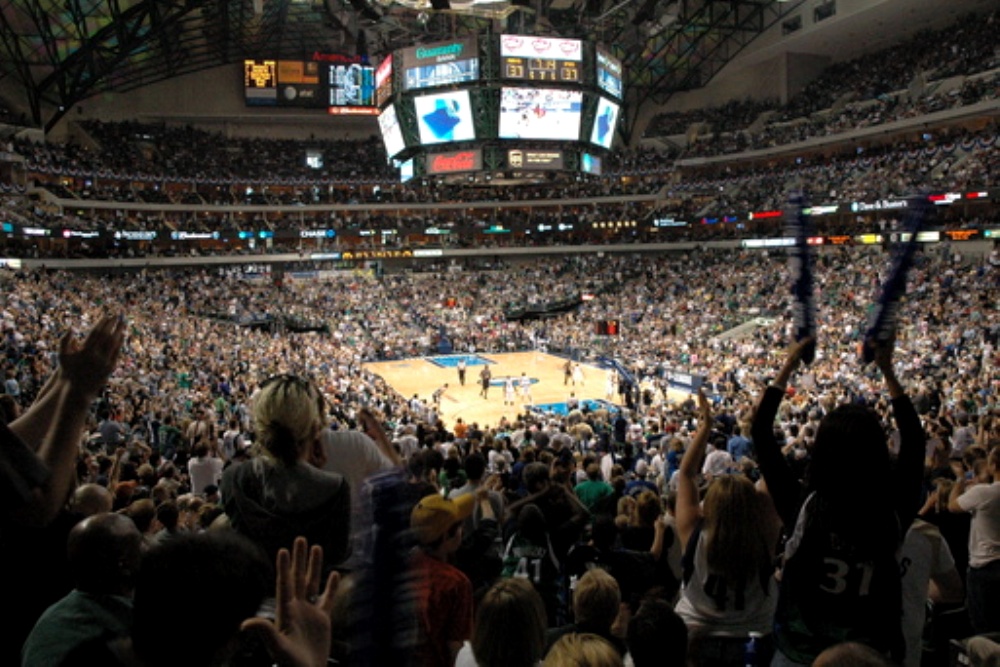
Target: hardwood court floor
x=420 y=376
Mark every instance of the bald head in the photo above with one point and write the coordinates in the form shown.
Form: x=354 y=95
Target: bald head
x=850 y=654
x=91 y=499
x=104 y=551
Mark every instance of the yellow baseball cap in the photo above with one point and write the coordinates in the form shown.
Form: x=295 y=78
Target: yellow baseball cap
x=434 y=515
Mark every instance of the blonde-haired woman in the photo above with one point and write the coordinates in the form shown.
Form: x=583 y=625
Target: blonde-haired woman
x=729 y=590
x=280 y=494
x=582 y=650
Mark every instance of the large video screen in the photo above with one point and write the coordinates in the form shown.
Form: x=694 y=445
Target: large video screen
x=609 y=73
x=444 y=117
x=540 y=113
x=341 y=85
x=352 y=85
x=605 y=123
x=440 y=64
x=443 y=74
x=392 y=134
x=590 y=164
x=406 y=171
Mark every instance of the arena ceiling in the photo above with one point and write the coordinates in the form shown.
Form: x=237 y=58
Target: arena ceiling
x=59 y=52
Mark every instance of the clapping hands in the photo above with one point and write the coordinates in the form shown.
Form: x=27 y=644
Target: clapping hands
x=86 y=365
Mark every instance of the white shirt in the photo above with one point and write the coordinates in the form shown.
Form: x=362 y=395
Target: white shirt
x=355 y=456
x=983 y=501
x=204 y=472
x=925 y=555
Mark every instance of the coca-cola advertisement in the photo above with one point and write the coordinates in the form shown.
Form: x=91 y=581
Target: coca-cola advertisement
x=455 y=161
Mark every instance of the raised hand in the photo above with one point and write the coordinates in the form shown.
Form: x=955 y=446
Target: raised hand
x=704 y=408
x=86 y=365
x=300 y=633
x=792 y=360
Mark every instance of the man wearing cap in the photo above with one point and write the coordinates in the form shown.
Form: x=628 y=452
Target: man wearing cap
x=444 y=593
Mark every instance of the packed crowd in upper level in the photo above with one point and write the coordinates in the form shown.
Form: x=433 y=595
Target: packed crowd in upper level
x=931 y=72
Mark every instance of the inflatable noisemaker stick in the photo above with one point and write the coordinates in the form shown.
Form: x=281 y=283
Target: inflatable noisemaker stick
x=800 y=267
x=885 y=315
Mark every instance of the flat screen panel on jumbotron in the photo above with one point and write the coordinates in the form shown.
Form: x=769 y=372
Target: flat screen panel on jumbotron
x=540 y=113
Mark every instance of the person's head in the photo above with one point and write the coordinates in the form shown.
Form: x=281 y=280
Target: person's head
x=437 y=521
x=90 y=499
x=657 y=636
x=168 y=515
x=647 y=508
x=596 y=600
x=536 y=476
x=212 y=494
x=208 y=514
x=141 y=512
x=582 y=650
x=191 y=596
x=944 y=487
x=531 y=523
x=146 y=475
x=593 y=472
x=104 y=551
x=288 y=417
x=733 y=516
x=189 y=506
x=510 y=626
x=850 y=654
x=850 y=445
x=475 y=466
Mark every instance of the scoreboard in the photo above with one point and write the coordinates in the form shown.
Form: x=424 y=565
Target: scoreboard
x=506 y=104
x=341 y=85
x=540 y=58
x=540 y=69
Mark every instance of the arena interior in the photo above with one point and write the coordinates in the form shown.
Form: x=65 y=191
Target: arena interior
x=492 y=300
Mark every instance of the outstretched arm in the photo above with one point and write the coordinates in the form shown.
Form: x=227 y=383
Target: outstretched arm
x=781 y=481
x=84 y=367
x=909 y=470
x=688 y=510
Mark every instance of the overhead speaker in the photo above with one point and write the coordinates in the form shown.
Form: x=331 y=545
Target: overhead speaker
x=440 y=4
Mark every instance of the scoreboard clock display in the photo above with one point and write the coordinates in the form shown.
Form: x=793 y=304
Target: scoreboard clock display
x=534 y=58
x=541 y=69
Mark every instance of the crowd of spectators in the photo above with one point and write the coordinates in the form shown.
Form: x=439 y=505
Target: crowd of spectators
x=551 y=496
x=948 y=160
x=852 y=116
x=866 y=91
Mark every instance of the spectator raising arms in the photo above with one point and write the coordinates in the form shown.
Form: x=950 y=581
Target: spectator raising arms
x=840 y=581
x=728 y=581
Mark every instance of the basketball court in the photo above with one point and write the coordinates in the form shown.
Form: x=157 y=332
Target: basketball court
x=422 y=376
